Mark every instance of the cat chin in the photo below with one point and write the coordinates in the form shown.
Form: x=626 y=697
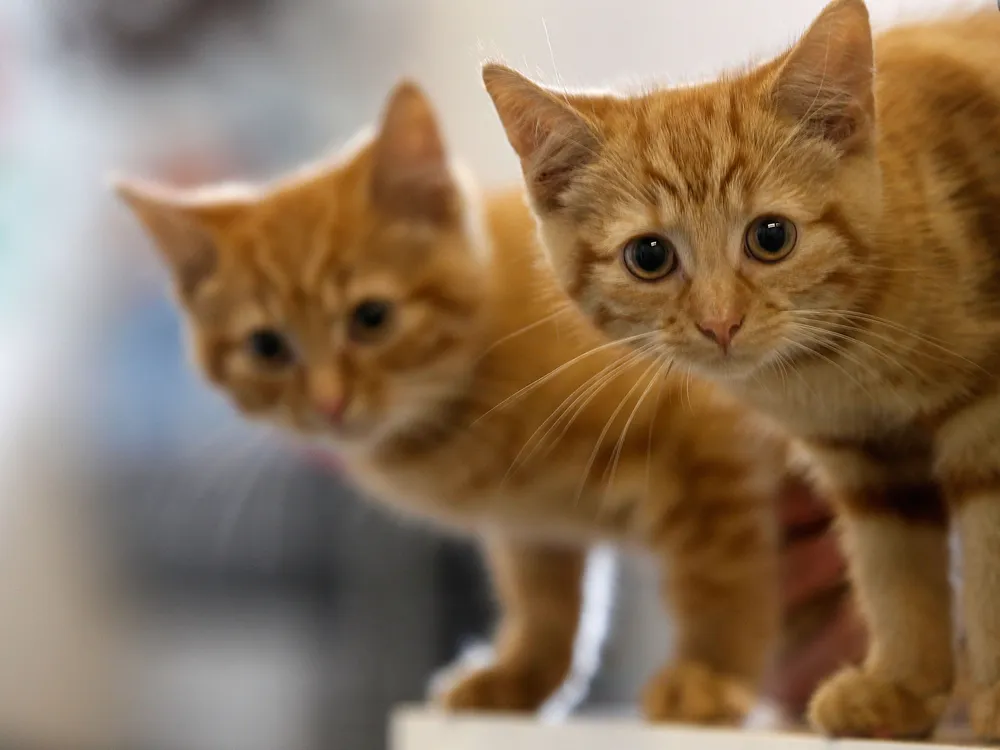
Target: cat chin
x=726 y=369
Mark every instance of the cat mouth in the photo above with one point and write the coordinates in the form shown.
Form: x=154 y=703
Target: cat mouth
x=730 y=369
x=732 y=365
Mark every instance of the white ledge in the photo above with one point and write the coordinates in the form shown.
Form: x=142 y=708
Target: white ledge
x=424 y=729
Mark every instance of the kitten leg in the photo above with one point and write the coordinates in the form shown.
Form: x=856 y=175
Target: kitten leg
x=978 y=518
x=541 y=594
x=721 y=583
x=900 y=570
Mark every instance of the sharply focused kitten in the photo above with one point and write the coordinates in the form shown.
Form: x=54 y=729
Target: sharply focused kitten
x=373 y=303
x=822 y=234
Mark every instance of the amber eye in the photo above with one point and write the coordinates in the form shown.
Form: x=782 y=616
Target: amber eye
x=369 y=319
x=770 y=238
x=650 y=257
x=270 y=346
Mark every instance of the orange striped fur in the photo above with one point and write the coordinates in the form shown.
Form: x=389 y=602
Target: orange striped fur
x=485 y=401
x=828 y=229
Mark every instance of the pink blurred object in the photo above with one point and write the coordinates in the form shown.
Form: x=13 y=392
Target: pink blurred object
x=326 y=458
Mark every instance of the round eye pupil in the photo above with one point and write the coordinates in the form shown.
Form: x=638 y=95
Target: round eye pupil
x=371 y=314
x=650 y=254
x=650 y=257
x=770 y=239
x=369 y=319
x=269 y=345
x=771 y=235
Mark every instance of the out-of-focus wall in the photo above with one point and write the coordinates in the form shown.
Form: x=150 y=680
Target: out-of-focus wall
x=620 y=44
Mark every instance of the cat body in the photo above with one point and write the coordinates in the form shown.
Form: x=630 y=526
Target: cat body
x=821 y=233
x=372 y=305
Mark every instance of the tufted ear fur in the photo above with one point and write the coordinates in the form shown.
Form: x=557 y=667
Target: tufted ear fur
x=183 y=224
x=547 y=131
x=410 y=172
x=826 y=81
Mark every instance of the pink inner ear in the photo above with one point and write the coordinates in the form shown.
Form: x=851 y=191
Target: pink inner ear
x=552 y=138
x=529 y=113
x=181 y=227
x=409 y=139
x=413 y=145
x=826 y=83
x=410 y=174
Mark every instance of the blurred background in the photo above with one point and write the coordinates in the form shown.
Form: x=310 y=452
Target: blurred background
x=268 y=607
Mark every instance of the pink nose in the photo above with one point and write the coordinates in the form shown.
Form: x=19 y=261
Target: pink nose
x=721 y=331
x=333 y=411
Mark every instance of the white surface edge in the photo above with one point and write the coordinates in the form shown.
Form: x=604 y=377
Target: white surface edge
x=415 y=728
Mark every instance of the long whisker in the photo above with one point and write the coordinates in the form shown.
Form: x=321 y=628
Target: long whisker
x=246 y=490
x=791 y=367
x=585 y=392
x=238 y=446
x=840 y=349
x=640 y=353
x=561 y=368
x=903 y=269
x=822 y=332
x=893 y=345
x=657 y=367
x=531 y=326
x=894 y=326
x=592 y=384
x=662 y=374
x=604 y=432
x=847 y=373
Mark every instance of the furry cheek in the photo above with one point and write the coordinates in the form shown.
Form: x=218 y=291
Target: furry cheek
x=564 y=250
x=254 y=392
x=621 y=306
x=256 y=398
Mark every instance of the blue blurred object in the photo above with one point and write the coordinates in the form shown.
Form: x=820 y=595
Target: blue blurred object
x=152 y=401
x=19 y=267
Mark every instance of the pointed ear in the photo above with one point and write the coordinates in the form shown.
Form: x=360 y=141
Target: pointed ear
x=550 y=135
x=183 y=225
x=410 y=173
x=826 y=81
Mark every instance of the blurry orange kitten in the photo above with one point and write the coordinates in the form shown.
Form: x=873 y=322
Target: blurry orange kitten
x=375 y=304
x=825 y=240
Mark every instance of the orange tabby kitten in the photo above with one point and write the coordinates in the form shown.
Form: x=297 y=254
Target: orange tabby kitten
x=821 y=233
x=373 y=303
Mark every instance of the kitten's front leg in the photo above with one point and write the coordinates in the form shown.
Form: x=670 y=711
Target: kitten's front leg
x=968 y=457
x=540 y=593
x=978 y=517
x=721 y=583
x=895 y=533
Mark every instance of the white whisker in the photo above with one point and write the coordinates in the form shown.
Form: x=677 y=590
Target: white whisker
x=553 y=373
x=604 y=432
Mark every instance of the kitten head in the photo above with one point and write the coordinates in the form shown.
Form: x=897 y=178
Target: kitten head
x=724 y=219
x=344 y=301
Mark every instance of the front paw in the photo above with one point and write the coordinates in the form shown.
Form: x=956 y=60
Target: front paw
x=854 y=703
x=503 y=688
x=693 y=693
